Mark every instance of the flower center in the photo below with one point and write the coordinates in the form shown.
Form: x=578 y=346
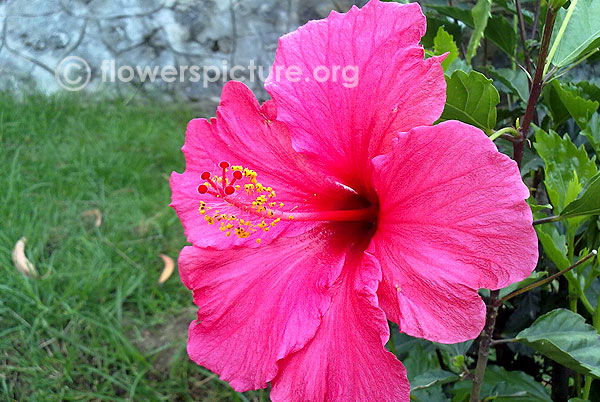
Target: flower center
x=255 y=206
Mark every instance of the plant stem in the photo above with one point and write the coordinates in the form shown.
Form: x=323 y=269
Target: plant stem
x=523 y=37
x=573 y=292
x=544 y=281
x=560 y=34
x=536 y=87
x=588 y=379
x=549 y=219
x=503 y=131
x=484 y=345
x=535 y=20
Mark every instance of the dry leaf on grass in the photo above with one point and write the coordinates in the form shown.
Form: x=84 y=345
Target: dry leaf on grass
x=167 y=270
x=20 y=260
x=95 y=213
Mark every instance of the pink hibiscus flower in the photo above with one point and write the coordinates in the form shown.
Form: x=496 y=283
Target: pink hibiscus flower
x=319 y=215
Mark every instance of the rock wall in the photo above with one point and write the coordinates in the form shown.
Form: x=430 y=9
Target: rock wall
x=105 y=35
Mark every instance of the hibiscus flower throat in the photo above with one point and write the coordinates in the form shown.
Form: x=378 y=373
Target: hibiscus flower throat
x=259 y=211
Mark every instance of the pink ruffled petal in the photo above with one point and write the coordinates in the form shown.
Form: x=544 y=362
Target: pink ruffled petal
x=340 y=123
x=256 y=306
x=452 y=220
x=347 y=359
x=246 y=134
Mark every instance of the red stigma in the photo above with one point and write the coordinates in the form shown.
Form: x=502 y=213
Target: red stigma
x=205 y=175
x=224 y=164
x=229 y=190
x=237 y=175
x=202 y=189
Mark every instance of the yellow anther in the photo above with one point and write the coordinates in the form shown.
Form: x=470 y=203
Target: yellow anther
x=257 y=205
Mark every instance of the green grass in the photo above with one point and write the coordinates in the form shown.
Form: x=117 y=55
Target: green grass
x=96 y=325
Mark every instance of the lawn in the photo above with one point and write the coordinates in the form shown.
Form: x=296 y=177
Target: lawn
x=96 y=325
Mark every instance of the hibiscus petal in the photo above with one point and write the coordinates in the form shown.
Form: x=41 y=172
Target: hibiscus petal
x=246 y=134
x=258 y=305
x=342 y=124
x=347 y=359
x=452 y=220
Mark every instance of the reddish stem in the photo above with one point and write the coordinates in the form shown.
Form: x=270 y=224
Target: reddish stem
x=536 y=87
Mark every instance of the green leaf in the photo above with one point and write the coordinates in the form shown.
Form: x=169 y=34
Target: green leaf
x=578 y=107
x=557 y=109
x=420 y=361
x=566 y=166
x=588 y=203
x=500 y=385
x=455 y=349
x=498 y=29
x=592 y=132
x=481 y=14
x=471 y=99
x=434 y=23
x=534 y=277
x=578 y=400
x=458 y=65
x=554 y=244
x=589 y=90
x=442 y=43
x=431 y=378
x=514 y=80
x=460 y=14
x=431 y=394
x=535 y=207
x=501 y=32
x=581 y=35
x=564 y=337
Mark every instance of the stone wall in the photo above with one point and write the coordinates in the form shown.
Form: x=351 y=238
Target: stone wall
x=213 y=35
